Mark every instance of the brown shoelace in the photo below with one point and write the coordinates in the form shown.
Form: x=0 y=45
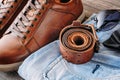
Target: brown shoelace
x=24 y=22
x=78 y=43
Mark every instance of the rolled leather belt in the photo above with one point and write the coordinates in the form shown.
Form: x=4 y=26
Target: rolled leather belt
x=78 y=42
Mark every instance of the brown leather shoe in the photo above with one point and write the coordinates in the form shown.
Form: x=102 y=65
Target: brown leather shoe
x=9 y=9
x=39 y=23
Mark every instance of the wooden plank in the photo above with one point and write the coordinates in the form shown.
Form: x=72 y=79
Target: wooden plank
x=113 y=2
x=93 y=6
x=100 y=4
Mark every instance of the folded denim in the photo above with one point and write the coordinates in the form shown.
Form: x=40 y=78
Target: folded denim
x=114 y=40
x=110 y=21
x=101 y=17
x=107 y=19
x=108 y=26
x=48 y=64
x=102 y=35
x=115 y=16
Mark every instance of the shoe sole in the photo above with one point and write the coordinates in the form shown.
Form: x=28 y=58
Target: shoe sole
x=12 y=18
x=15 y=66
x=10 y=67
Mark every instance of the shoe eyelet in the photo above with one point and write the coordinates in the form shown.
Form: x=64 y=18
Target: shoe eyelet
x=20 y=19
x=29 y=7
x=25 y=13
x=28 y=32
x=33 y=1
x=43 y=8
x=12 y=6
x=24 y=37
x=32 y=25
x=35 y=19
x=39 y=13
x=0 y=22
x=16 y=1
x=4 y=17
x=8 y=11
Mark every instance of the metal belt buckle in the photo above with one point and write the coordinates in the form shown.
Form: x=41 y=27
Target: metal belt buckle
x=78 y=42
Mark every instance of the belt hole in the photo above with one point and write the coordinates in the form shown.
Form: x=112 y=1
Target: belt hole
x=78 y=40
x=78 y=61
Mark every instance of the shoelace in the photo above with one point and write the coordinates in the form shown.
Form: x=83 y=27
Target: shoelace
x=28 y=15
x=4 y=8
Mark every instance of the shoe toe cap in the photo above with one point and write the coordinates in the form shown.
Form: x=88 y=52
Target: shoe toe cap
x=11 y=50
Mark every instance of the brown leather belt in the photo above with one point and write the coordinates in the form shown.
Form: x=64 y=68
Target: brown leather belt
x=78 y=42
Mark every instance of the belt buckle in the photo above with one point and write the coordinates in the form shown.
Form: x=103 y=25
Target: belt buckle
x=89 y=27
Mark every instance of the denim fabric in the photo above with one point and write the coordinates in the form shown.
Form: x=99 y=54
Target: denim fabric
x=110 y=21
x=107 y=19
x=102 y=15
x=114 y=40
x=102 y=35
x=48 y=64
x=113 y=17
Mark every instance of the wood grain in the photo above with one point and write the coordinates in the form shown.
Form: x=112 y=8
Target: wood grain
x=94 y=6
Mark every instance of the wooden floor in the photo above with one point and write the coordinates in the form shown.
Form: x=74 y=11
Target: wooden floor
x=94 y=6
x=90 y=7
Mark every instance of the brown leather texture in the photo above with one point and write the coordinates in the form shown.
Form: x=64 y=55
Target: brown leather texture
x=9 y=9
x=37 y=26
x=78 y=42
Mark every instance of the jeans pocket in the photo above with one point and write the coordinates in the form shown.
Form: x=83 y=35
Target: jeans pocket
x=60 y=69
x=57 y=70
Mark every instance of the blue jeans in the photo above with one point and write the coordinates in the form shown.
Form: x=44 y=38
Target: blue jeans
x=48 y=64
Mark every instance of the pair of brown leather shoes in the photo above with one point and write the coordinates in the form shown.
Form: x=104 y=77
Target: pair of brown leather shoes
x=38 y=23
